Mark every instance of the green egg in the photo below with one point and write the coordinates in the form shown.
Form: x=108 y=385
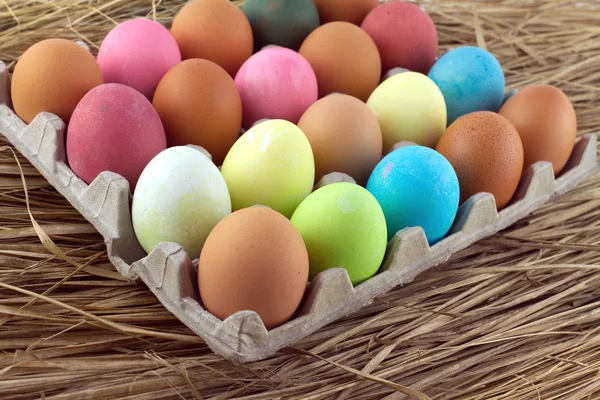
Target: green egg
x=343 y=226
x=281 y=22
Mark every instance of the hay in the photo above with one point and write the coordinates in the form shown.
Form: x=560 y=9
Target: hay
x=515 y=316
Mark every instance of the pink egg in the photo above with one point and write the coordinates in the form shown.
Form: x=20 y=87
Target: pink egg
x=138 y=53
x=276 y=83
x=113 y=128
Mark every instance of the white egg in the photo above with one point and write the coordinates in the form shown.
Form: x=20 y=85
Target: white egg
x=180 y=197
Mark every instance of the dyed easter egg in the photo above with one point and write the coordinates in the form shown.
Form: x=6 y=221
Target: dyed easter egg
x=343 y=226
x=179 y=198
x=271 y=164
x=353 y=11
x=404 y=34
x=471 y=79
x=281 y=22
x=416 y=186
x=138 y=53
x=113 y=128
x=409 y=107
x=276 y=83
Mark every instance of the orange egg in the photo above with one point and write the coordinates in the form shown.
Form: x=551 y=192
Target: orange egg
x=52 y=76
x=353 y=11
x=254 y=259
x=344 y=135
x=216 y=30
x=546 y=122
x=199 y=104
x=486 y=153
x=344 y=58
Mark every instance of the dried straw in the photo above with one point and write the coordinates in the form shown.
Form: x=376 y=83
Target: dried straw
x=515 y=316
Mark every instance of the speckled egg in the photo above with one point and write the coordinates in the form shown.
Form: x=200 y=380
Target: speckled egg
x=487 y=154
x=409 y=107
x=343 y=226
x=471 y=79
x=416 y=187
x=180 y=197
x=271 y=164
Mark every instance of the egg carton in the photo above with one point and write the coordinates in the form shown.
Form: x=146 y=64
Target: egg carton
x=171 y=275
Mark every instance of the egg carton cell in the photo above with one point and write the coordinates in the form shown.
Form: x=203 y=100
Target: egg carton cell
x=171 y=275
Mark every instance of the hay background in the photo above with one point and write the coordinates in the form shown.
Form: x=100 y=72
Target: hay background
x=515 y=316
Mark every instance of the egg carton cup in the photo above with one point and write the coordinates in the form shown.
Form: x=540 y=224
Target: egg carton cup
x=171 y=275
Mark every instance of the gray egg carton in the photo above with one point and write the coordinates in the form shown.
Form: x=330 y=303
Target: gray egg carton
x=171 y=275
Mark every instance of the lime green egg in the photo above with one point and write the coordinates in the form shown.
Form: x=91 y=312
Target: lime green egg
x=343 y=226
x=409 y=107
x=272 y=164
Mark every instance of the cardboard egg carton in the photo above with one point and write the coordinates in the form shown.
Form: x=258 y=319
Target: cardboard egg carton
x=171 y=275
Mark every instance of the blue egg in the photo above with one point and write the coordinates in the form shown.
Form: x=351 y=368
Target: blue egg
x=471 y=79
x=416 y=186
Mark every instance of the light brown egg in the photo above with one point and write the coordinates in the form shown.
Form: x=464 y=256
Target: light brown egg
x=545 y=119
x=486 y=153
x=216 y=30
x=353 y=11
x=199 y=104
x=344 y=58
x=344 y=135
x=52 y=76
x=254 y=259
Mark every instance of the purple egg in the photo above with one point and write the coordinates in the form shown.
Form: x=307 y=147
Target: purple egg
x=276 y=83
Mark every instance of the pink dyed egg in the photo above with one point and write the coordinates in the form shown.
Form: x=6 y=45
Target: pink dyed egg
x=138 y=53
x=113 y=128
x=276 y=83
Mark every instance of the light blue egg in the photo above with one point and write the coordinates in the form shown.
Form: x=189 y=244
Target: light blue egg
x=471 y=79
x=416 y=186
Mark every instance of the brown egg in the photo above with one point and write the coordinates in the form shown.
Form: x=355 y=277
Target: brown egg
x=199 y=104
x=216 y=30
x=546 y=122
x=486 y=153
x=53 y=75
x=344 y=135
x=254 y=259
x=353 y=11
x=344 y=58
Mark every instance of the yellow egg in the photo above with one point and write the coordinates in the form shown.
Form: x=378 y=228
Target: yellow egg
x=409 y=106
x=272 y=164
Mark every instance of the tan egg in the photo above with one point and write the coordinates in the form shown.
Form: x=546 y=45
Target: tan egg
x=254 y=259
x=487 y=154
x=546 y=122
x=199 y=104
x=344 y=135
x=52 y=76
x=353 y=11
x=216 y=30
x=344 y=58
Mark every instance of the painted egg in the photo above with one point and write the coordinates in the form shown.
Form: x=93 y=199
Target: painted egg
x=353 y=11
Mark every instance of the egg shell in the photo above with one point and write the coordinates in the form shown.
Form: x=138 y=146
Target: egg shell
x=486 y=153
x=199 y=104
x=138 y=53
x=254 y=260
x=113 y=128
x=409 y=107
x=353 y=11
x=271 y=164
x=344 y=135
x=546 y=121
x=471 y=79
x=404 y=34
x=179 y=198
x=215 y=30
x=281 y=22
x=343 y=226
x=53 y=75
x=276 y=83
x=344 y=58
x=416 y=187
